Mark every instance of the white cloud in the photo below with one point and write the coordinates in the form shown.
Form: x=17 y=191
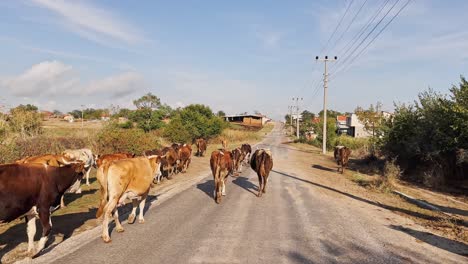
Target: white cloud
x=47 y=77
x=117 y=85
x=91 y=22
x=54 y=78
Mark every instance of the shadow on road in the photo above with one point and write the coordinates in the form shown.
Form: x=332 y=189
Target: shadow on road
x=434 y=240
x=207 y=187
x=320 y=167
x=245 y=184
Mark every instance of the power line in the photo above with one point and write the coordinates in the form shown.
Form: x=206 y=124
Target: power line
x=349 y=25
x=375 y=37
x=337 y=26
x=367 y=36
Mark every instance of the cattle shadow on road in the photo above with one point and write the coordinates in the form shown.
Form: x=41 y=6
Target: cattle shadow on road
x=320 y=167
x=434 y=240
x=245 y=184
x=207 y=187
x=381 y=205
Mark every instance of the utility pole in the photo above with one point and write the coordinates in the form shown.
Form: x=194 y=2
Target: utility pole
x=297 y=115
x=290 y=117
x=325 y=87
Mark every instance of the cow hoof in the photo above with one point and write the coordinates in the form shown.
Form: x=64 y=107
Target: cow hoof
x=119 y=229
x=141 y=221
x=259 y=195
x=224 y=194
x=106 y=239
x=131 y=219
x=78 y=191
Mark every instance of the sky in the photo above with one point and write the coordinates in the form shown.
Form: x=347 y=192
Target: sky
x=235 y=56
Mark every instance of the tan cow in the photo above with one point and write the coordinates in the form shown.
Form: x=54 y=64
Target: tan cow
x=262 y=163
x=224 y=143
x=100 y=160
x=221 y=166
x=237 y=159
x=122 y=179
x=201 y=147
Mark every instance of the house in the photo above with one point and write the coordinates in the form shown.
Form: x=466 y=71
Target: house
x=341 y=125
x=248 y=120
x=105 y=116
x=69 y=118
x=356 y=127
x=46 y=115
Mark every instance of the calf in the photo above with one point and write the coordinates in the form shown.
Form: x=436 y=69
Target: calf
x=185 y=156
x=201 y=147
x=341 y=155
x=221 y=166
x=122 y=179
x=33 y=190
x=85 y=155
x=237 y=158
x=247 y=150
x=262 y=163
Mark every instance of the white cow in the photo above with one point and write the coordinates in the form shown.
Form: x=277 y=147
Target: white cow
x=85 y=155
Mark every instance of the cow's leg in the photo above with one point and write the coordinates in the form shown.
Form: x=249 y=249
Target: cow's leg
x=108 y=209
x=44 y=216
x=31 y=230
x=62 y=203
x=118 y=226
x=260 y=185
x=141 y=219
x=87 y=175
x=223 y=192
x=131 y=217
x=169 y=173
x=265 y=180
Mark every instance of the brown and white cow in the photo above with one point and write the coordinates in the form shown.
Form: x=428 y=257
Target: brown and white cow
x=341 y=155
x=34 y=190
x=247 y=150
x=237 y=159
x=201 y=147
x=85 y=155
x=221 y=166
x=262 y=163
x=122 y=179
x=101 y=159
x=185 y=157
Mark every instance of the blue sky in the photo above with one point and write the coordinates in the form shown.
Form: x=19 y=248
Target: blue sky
x=234 y=56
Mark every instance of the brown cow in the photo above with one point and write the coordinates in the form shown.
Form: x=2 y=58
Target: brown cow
x=122 y=179
x=201 y=147
x=262 y=163
x=224 y=144
x=341 y=155
x=110 y=157
x=33 y=190
x=247 y=150
x=221 y=166
x=237 y=158
x=185 y=156
x=172 y=161
x=55 y=161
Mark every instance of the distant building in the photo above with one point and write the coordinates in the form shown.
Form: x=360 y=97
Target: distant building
x=46 y=115
x=355 y=127
x=248 y=120
x=69 y=118
x=341 y=125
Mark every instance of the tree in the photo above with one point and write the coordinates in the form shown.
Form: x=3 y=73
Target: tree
x=371 y=118
x=124 y=112
x=306 y=115
x=221 y=113
x=25 y=120
x=331 y=132
x=148 y=100
x=75 y=113
x=147 y=119
x=57 y=113
x=28 y=107
x=330 y=113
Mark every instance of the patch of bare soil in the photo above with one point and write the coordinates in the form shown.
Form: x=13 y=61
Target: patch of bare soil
x=360 y=182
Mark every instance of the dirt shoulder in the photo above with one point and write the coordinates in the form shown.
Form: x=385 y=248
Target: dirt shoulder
x=447 y=227
x=79 y=215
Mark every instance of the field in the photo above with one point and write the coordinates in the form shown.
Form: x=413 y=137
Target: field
x=79 y=215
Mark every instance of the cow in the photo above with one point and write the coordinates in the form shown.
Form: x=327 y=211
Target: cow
x=101 y=159
x=237 y=158
x=247 y=150
x=48 y=159
x=122 y=179
x=34 y=191
x=262 y=163
x=185 y=156
x=201 y=147
x=176 y=146
x=85 y=155
x=341 y=155
x=224 y=143
x=172 y=161
x=55 y=161
x=221 y=166
x=164 y=162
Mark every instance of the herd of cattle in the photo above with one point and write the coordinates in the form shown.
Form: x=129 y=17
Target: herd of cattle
x=33 y=187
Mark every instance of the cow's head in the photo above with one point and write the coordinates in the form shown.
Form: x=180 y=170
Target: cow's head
x=155 y=163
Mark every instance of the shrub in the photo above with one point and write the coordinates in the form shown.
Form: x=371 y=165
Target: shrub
x=113 y=139
x=25 y=122
x=352 y=142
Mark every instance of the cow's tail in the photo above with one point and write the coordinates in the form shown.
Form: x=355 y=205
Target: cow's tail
x=217 y=174
x=102 y=177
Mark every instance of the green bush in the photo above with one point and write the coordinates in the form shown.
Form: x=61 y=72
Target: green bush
x=351 y=142
x=113 y=139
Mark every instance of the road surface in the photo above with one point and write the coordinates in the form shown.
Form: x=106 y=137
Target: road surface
x=296 y=221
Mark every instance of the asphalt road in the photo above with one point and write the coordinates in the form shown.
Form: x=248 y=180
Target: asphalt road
x=294 y=222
